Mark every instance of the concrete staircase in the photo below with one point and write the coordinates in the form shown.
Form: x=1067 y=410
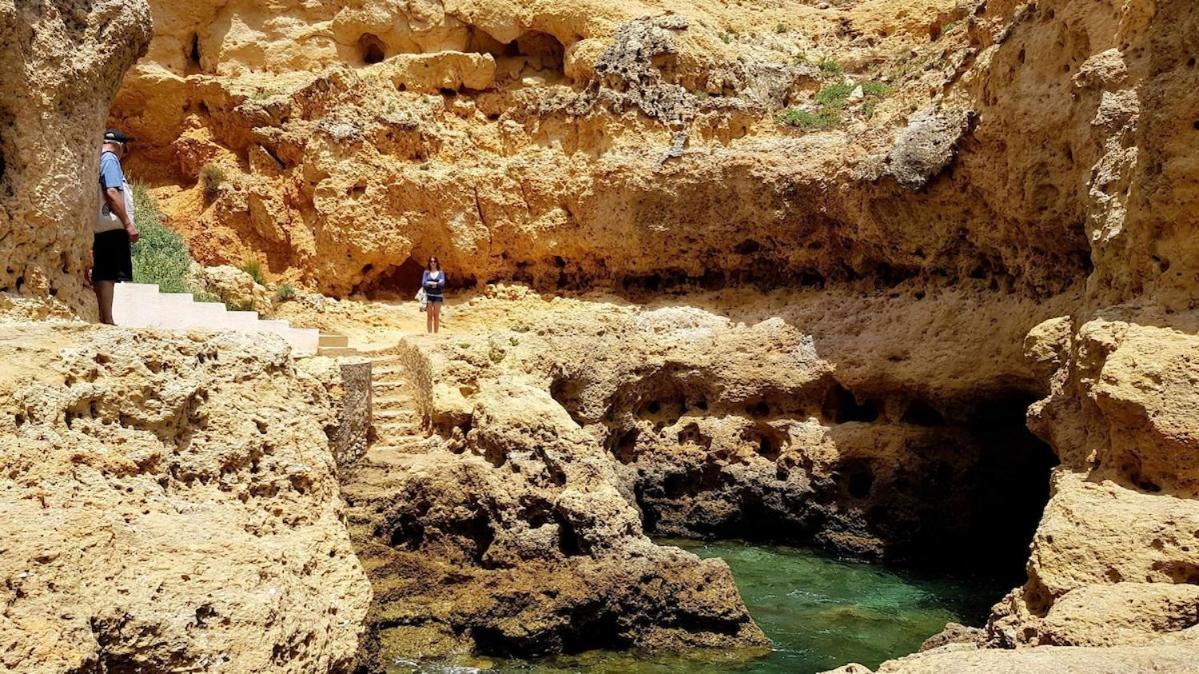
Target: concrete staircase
x=397 y=422
x=142 y=305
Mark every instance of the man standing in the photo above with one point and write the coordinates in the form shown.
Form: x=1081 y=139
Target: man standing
x=112 y=259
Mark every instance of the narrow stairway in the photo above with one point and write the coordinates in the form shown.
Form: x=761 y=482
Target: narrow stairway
x=397 y=423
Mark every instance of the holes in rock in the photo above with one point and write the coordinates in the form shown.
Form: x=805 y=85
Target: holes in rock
x=856 y=478
x=570 y=543
x=408 y=534
x=758 y=409
x=692 y=435
x=840 y=406
x=624 y=448
x=371 y=49
x=533 y=53
x=403 y=279
x=565 y=391
x=748 y=247
x=921 y=413
x=193 y=55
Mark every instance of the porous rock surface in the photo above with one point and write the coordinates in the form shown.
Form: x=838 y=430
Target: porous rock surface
x=169 y=503
x=594 y=143
x=517 y=540
x=60 y=65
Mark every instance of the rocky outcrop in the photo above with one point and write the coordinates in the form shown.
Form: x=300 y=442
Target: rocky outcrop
x=169 y=503
x=516 y=540
x=612 y=146
x=821 y=416
x=60 y=65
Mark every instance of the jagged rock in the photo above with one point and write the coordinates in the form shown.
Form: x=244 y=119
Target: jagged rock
x=523 y=545
x=926 y=146
x=169 y=503
x=232 y=286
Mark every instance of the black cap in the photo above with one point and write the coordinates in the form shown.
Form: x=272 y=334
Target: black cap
x=115 y=136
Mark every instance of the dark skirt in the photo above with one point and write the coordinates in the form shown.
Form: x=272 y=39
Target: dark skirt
x=112 y=257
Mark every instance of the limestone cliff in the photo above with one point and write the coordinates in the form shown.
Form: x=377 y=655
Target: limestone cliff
x=939 y=188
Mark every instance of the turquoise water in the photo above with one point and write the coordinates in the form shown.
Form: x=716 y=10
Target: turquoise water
x=819 y=613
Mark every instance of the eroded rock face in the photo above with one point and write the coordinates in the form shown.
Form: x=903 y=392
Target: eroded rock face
x=596 y=144
x=60 y=65
x=820 y=416
x=169 y=503
x=517 y=541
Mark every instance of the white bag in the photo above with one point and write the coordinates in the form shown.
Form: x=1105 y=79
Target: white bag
x=422 y=299
x=106 y=220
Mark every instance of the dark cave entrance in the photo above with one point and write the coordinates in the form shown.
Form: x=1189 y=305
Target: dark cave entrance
x=534 y=52
x=402 y=281
x=922 y=483
x=371 y=49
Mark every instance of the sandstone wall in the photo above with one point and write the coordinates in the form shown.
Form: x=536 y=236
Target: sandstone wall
x=169 y=503
x=582 y=145
x=60 y=65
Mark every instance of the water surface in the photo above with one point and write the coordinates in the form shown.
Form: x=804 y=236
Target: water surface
x=819 y=612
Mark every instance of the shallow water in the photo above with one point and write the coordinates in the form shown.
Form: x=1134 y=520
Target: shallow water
x=819 y=613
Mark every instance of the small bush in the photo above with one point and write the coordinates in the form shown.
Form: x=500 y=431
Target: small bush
x=160 y=256
x=205 y=296
x=285 y=292
x=831 y=68
x=780 y=28
x=514 y=341
x=835 y=95
x=254 y=269
x=875 y=89
x=212 y=176
x=825 y=118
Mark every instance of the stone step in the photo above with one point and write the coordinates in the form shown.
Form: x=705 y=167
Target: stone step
x=141 y=305
x=395 y=414
x=331 y=340
x=336 y=351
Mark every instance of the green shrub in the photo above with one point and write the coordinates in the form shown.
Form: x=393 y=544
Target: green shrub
x=825 y=118
x=212 y=176
x=285 y=292
x=160 y=255
x=780 y=28
x=875 y=89
x=834 y=95
x=254 y=269
x=831 y=68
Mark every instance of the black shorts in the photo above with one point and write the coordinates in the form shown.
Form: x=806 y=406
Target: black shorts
x=112 y=257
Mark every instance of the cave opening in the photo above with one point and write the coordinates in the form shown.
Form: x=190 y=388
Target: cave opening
x=403 y=280
x=371 y=49
x=533 y=53
x=919 y=482
x=193 y=55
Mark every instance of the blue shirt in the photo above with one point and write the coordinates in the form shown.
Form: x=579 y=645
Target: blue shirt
x=433 y=288
x=111 y=174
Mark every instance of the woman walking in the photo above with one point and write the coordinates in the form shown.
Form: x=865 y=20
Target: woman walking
x=433 y=282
